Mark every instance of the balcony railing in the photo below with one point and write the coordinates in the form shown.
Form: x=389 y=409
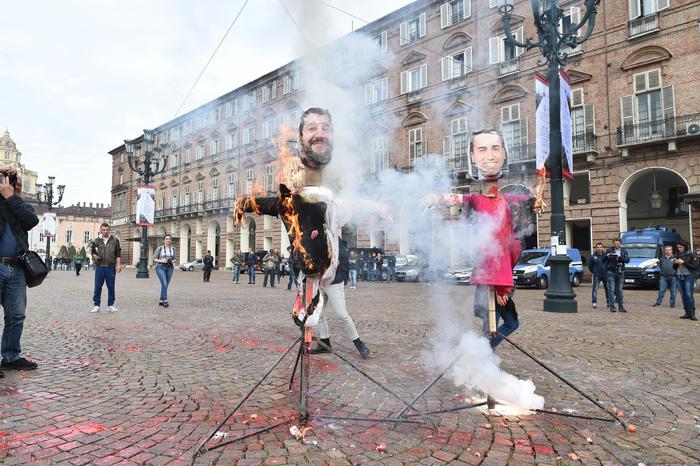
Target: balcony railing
x=162 y=213
x=570 y=51
x=644 y=25
x=659 y=130
x=414 y=96
x=189 y=209
x=219 y=204
x=521 y=153
x=509 y=67
x=585 y=142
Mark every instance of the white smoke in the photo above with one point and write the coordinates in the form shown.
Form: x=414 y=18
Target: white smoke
x=333 y=77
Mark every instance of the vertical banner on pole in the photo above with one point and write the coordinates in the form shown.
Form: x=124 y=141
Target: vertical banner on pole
x=566 y=130
x=145 y=206
x=48 y=225
x=542 y=122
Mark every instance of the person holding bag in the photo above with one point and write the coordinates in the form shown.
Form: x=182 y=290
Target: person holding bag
x=163 y=258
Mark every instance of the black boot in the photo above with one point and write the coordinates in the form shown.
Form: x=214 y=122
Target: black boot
x=364 y=351
x=686 y=315
x=320 y=349
x=692 y=315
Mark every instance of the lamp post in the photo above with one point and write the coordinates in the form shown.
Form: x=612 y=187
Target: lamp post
x=548 y=18
x=147 y=165
x=45 y=196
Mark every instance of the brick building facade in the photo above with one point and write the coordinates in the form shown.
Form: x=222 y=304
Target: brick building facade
x=442 y=71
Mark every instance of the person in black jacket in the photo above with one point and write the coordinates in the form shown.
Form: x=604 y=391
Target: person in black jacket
x=667 y=276
x=615 y=259
x=597 y=269
x=16 y=219
x=686 y=264
x=208 y=262
x=250 y=260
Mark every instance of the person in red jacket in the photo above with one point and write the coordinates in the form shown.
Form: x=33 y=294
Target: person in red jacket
x=498 y=214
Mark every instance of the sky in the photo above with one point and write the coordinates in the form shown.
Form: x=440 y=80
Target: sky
x=79 y=77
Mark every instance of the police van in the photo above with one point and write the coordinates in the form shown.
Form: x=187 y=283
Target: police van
x=533 y=268
x=645 y=247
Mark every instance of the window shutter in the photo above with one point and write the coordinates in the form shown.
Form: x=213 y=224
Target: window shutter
x=515 y=112
x=523 y=132
x=654 y=79
x=446 y=65
x=274 y=89
x=385 y=88
x=368 y=94
x=589 y=118
x=669 y=101
x=404 y=82
x=577 y=97
x=421 y=25
x=447 y=148
x=519 y=37
x=505 y=114
x=494 y=47
x=634 y=9
x=384 y=41
x=403 y=33
x=468 y=60
x=444 y=15
x=423 y=75
x=640 y=82
x=661 y=5
x=468 y=8
x=627 y=109
x=575 y=18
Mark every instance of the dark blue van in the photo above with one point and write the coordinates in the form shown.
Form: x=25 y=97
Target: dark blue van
x=645 y=247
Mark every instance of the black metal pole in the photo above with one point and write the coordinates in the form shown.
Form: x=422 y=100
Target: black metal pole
x=142 y=269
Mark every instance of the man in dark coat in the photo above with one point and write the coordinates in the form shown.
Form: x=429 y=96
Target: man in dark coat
x=615 y=259
x=208 y=262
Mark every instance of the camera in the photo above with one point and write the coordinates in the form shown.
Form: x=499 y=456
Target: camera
x=169 y=262
x=12 y=176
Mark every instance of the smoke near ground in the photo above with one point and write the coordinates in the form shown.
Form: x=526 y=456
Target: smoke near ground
x=333 y=77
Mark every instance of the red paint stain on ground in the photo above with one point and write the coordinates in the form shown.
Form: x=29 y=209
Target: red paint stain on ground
x=133 y=348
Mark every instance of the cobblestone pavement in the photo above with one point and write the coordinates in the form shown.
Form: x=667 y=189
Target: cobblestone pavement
x=145 y=384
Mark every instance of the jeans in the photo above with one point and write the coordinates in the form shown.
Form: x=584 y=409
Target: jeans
x=292 y=278
x=236 y=273
x=165 y=274
x=353 y=278
x=391 y=274
x=102 y=274
x=510 y=322
x=667 y=282
x=615 y=281
x=686 y=284
x=597 y=280
x=251 y=275
x=13 y=296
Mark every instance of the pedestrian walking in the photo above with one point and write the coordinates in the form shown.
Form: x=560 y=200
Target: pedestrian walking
x=354 y=264
x=294 y=269
x=615 y=259
x=250 y=261
x=78 y=263
x=208 y=262
x=598 y=271
x=237 y=262
x=667 y=277
x=106 y=254
x=16 y=219
x=687 y=264
x=163 y=258
x=271 y=261
x=391 y=268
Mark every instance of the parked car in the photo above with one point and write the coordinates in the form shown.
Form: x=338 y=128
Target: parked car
x=411 y=268
x=533 y=268
x=259 y=266
x=190 y=266
x=458 y=274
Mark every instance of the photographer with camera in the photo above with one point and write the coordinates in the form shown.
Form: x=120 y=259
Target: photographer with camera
x=163 y=258
x=615 y=259
x=16 y=219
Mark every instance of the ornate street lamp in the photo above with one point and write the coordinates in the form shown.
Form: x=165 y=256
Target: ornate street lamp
x=147 y=160
x=45 y=196
x=551 y=38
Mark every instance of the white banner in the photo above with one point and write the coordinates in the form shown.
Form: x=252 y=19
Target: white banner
x=145 y=206
x=566 y=130
x=541 y=121
x=48 y=225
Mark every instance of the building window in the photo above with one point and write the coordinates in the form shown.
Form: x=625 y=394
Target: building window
x=454 y=11
x=188 y=155
x=200 y=192
x=643 y=113
x=186 y=200
x=378 y=157
x=269 y=177
x=641 y=8
x=174 y=133
x=290 y=82
x=173 y=199
x=121 y=178
x=457 y=64
x=501 y=51
x=414 y=79
x=249 y=101
x=269 y=129
x=231 y=140
x=161 y=201
x=582 y=122
x=232 y=191
x=580 y=189
x=214 y=189
x=376 y=91
x=69 y=236
x=411 y=31
x=269 y=92
x=249 y=180
x=383 y=41
x=187 y=128
x=86 y=237
x=214 y=146
x=249 y=135
x=455 y=147
x=416 y=146
x=174 y=159
x=514 y=130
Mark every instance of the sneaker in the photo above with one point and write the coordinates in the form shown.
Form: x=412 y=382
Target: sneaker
x=20 y=364
x=160 y=303
x=657 y=305
x=364 y=351
x=112 y=309
x=165 y=304
x=613 y=309
x=622 y=309
x=595 y=305
x=96 y=309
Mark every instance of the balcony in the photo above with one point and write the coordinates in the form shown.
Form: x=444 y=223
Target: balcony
x=508 y=67
x=522 y=153
x=585 y=143
x=413 y=97
x=571 y=51
x=644 y=25
x=217 y=204
x=164 y=213
x=120 y=187
x=190 y=210
x=175 y=170
x=666 y=130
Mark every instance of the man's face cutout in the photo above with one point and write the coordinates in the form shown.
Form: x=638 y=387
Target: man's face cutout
x=317 y=139
x=488 y=154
